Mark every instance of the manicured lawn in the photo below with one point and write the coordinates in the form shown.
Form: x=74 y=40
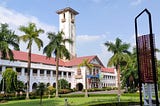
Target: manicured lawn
x=77 y=101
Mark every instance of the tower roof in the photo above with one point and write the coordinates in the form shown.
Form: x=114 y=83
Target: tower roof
x=67 y=9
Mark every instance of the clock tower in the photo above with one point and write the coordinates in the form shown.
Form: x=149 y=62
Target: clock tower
x=68 y=26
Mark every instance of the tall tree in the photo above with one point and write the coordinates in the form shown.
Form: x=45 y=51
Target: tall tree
x=89 y=66
x=31 y=34
x=119 y=50
x=57 y=47
x=9 y=77
x=7 y=38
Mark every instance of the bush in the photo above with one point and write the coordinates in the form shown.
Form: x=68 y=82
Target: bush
x=108 y=88
x=71 y=95
x=64 y=91
x=74 y=90
x=94 y=89
x=114 y=88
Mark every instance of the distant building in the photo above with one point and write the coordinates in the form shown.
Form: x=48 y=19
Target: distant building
x=44 y=69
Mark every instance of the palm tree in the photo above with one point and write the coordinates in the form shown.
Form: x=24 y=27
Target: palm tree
x=40 y=90
x=57 y=47
x=89 y=66
x=130 y=72
x=31 y=35
x=7 y=38
x=120 y=55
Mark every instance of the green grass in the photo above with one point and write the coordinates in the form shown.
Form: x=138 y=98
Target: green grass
x=76 y=101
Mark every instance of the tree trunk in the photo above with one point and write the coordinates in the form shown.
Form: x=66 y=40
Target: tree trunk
x=57 y=65
x=119 y=85
x=86 y=92
x=41 y=99
x=49 y=95
x=28 y=73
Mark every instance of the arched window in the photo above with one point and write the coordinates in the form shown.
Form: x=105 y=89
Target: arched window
x=34 y=87
x=54 y=84
x=48 y=84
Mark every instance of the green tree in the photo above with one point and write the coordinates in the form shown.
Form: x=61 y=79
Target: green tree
x=120 y=56
x=63 y=84
x=89 y=66
x=130 y=72
x=50 y=90
x=57 y=47
x=158 y=69
x=20 y=86
x=7 y=39
x=31 y=34
x=9 y=76
x=41 y=88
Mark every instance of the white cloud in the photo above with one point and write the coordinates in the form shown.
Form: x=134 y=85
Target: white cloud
x=93 y=45
x=88 y=38
x=136 y=2
x=104 y=55
x=15 y=19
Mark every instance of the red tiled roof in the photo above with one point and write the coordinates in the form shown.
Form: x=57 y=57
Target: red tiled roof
x=108 y=70
x=78 y=60
x=23 y=56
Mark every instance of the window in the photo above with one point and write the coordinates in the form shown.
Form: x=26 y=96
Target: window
x=64 y=18
x=26 y=70
x=54 y=73
x=69 y=74
x=59 y=73
x=34 y=72
x=72 y=18
x=64 y=73
x=9 y=67
x=48 y=72
x=41 y=72
x=54 y=84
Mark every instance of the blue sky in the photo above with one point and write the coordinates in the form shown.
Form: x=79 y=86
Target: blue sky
x=99 y=21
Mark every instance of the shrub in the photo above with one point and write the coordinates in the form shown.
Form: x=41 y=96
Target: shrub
x=64 y=91
x=108 y=88
x=71 y=95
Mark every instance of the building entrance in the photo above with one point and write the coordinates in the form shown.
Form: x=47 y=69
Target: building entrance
x=79 y=86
